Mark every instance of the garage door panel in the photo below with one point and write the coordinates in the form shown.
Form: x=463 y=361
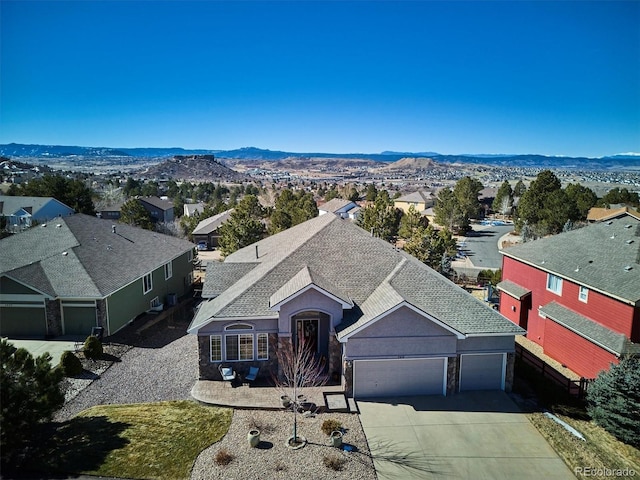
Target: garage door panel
x=399 y=377
x=22 y=322
x=79 y=320
x=482 y=372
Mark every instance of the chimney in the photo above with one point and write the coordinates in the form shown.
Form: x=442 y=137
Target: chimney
x=113 y=228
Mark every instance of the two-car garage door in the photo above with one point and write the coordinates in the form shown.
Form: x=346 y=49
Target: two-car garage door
x=399 y=377
x=426 y=376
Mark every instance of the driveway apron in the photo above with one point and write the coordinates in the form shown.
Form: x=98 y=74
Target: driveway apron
x=479 y=435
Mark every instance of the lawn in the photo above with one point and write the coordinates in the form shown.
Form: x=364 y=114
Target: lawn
x=151 y=440
x=602 y=453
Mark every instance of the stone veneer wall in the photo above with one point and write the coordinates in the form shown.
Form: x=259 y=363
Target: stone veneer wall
x=208 y=370
x=335 y=355
x=101 y=315
x=348 y=377
x=510 y=369
x=53 y=312
x=453 y=375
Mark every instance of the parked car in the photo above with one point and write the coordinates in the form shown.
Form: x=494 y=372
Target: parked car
x=202 y=245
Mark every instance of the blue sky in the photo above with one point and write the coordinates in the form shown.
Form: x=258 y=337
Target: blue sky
x=557 y=78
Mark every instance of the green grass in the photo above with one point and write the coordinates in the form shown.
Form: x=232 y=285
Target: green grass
x=151 y=440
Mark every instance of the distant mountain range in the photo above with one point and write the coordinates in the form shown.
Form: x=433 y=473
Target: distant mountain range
x=614 y=162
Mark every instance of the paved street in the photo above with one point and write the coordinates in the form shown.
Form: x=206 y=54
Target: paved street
x=481 y=245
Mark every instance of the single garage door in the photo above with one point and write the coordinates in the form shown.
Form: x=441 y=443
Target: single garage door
x=482 y=372
x=22 y=322
x=399 y=377
x=79 y=320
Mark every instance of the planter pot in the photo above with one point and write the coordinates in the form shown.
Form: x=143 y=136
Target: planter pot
x=336 y=438
x=253 y=438
x=296 y=443
x=286 y=401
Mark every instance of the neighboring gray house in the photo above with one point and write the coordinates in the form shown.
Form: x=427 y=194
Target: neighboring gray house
x=385 y=323
x=207 y=229
x=338 y=206
x=79 y=271
x=23 y=212
x=160 y=210
x=110 y=212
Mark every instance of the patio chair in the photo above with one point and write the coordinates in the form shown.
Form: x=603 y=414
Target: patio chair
x=228 y=374
x=253 y=373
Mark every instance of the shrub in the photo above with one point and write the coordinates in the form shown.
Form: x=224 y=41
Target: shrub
x=92 y=348
x=613 y=400
x=330 y=425
x=333 y=462
x=70 y=364
x=223 y=457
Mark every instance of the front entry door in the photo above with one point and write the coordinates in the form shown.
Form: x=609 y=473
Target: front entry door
x=307 y=331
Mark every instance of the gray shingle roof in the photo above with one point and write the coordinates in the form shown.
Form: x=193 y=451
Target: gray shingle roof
x=221 y=276
x=513 y=289
x=586 y=328
x=157 y=202
x=594 y=256
x=305 y=278
x=415 y=197
x=10 y=204
x=352 y=262
x=97 y=262
x=335 y=204
x=210 y=224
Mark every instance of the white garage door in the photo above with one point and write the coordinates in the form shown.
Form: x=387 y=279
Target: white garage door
x=401 y=377
x=482 y=372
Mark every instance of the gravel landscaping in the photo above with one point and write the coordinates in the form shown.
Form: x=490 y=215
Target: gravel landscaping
x=272 y=458
x=160 y=363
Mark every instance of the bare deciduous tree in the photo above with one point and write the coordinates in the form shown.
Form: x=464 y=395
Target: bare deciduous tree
x=300 y=372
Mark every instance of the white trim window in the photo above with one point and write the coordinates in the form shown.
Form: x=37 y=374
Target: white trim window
x=155 y=302
x=263 y=346
x=583 y=294
x=238 y=347
x=168 y=270
x=215 y=342
x=147 y=283
x=554 y=284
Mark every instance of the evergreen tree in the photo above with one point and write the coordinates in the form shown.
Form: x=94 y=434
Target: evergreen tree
x=519 y=189
x=582 y=197
x=244 y=226
x=448 y=212
x=133 y=213
x=622 y=196
x=372 y=193
x=613 y=400
x=531 y=207
x=382 y=218
x=30 y=393
x=431 y=246
x=466 y=191
x=410 y=221
x=73 y=193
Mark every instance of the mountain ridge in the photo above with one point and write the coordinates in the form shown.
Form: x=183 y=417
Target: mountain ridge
x=616 y=161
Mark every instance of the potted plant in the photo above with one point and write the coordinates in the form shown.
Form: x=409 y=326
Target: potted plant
x=336 y=438
x=286 y=401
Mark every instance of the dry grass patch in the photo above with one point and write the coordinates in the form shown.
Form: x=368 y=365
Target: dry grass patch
x=600 y=451
x=151 y=440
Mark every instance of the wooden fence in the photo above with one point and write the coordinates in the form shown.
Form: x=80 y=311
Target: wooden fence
x=577 y=388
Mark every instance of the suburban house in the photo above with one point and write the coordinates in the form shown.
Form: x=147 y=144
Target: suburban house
x=382 y=322
x=420 y=200
x=78 y=272
x=207 y=229
x=110 y=212
x=190 y=209
x=23 y=212
x=160 y=210
x=339 y=206
x=578 y=293
x=599 y=214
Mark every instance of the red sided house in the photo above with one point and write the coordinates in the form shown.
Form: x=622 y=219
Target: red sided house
x=578 y=293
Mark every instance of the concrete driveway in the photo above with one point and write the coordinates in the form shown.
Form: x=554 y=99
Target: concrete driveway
x=469 y=435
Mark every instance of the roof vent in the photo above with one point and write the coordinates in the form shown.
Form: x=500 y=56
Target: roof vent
x=609 y=222
x=628 y=225
x=628 y=268
x=613 y=236
x=577 y=269
x=44 y=225
x=64 y=254
x=58 y=225
x=113 y=228
x=629 y=242
x=542 y=262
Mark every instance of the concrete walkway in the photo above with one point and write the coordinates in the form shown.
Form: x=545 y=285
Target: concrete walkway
x=481 y=435
x=248 y=396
